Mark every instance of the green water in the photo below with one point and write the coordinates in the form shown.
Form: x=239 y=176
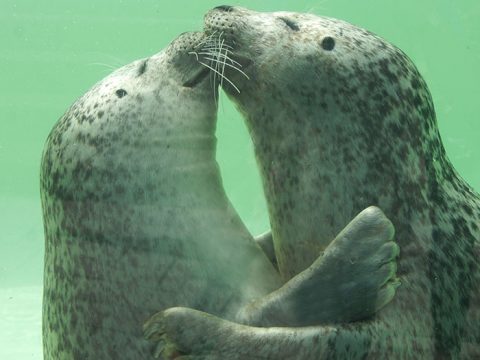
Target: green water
x=53 y=51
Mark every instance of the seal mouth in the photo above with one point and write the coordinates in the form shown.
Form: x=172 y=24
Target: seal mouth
x=218 y=57
x=245 y=62
x=197 y=78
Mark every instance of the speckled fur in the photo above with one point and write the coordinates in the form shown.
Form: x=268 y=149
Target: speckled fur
x=134 y=212
x=335 y=131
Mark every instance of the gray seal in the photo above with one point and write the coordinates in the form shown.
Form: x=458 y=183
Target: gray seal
x=136 y=218
x=340 y=120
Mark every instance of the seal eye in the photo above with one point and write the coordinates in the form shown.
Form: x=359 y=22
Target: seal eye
x=120 y=93
x=143 y=67
x=328 y=43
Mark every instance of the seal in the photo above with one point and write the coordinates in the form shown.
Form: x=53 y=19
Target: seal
x=340 y=120
x=134 y=211
x=136 y=218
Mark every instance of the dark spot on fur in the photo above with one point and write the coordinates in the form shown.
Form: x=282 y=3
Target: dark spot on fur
x=415 y=83
x=385 y=70
x=358 y=42
x=121 y=93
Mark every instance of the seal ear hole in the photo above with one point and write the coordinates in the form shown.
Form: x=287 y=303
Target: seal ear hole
x=328 y=43
x=121 y=93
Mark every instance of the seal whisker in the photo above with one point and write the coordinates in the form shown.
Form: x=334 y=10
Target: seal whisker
x=203 y=41
x=220 y=43
x=222 y=56
x=229 y=47
x=216 y=50
x=210 y=43
x=216 y=71
x=217 y=54
x=110 y=67
x=194 y=53
x=233 y=67
x=223 y=63
x=218 y=59
x=213 y=78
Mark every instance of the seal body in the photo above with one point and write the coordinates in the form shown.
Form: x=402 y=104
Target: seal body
x=340 y=120
x=136 y=218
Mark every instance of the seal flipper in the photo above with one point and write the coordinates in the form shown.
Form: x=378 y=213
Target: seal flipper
x=350 y=281
x=265 y=241
x=198 y=335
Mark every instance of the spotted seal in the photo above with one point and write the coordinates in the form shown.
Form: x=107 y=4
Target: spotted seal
x=136 y=218
x=341 y=119
x=134 y=210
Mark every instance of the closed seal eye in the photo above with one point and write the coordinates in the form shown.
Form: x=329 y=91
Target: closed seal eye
x=291 y=24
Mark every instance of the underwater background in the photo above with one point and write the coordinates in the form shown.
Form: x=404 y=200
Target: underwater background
x=53 y=51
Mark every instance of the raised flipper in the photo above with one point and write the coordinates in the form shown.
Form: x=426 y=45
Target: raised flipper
x=265 y=241
x=352 y=280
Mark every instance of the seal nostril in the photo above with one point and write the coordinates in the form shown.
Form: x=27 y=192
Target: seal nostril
x=226 y=8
